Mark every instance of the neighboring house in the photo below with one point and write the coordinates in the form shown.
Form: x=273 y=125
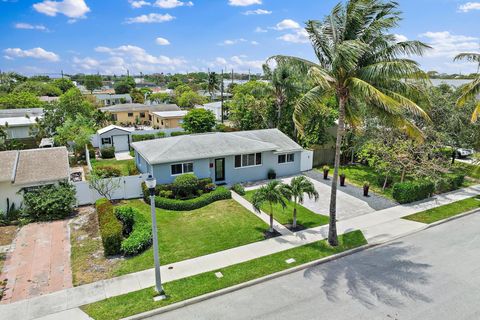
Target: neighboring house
x=131 y=113
x=21 y=170
x=108 y=99
x=227 y=158
x=18 y=123
x=168 y=119
x=216 y=95
x=48 y=99
x=214 y=107
x=115 y=136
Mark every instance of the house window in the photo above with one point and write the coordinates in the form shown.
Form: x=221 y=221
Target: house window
x=286 y=158
x=130 y=114
x=248 y=160
x=181 y=168
x=142 y=114
x=106 y=140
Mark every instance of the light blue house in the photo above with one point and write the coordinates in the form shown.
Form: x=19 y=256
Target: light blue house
x=227 y=158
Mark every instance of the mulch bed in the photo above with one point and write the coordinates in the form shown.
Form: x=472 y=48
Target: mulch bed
x=299 y=227
x=268 y=235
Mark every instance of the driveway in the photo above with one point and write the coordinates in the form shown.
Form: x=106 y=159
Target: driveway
x=39 y=261
x=430 y=275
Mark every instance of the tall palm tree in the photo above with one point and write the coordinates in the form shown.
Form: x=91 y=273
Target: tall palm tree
x=296 y=190
x=272 y=193
x=471 y=90
x=212 y=84
x=360 y=63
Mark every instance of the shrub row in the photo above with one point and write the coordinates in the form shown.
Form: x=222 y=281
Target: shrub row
x=219 y=193
x=136 y=230
x=178 y=133
x=449 y=183
x=238 y=188
x=406 y=192
x=110 y=228
x=150 y=136
x=204 y=184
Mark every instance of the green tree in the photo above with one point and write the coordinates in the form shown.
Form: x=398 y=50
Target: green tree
x=137 y=96
x=125 y=85
x=472 y=90
x=77 y=131
x=161 y=97
x=360 y=61
x=92 y=82
x=213 y=84
x=190 y=99
x=18 y=100
x=63 y=84
x=296 y=190
x=39 y=88
x=199 y=121
x=273 y=193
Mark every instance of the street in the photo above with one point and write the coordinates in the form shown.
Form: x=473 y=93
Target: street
x=433 y=274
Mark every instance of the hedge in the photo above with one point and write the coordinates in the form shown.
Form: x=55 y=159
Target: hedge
x=220 y=193
x=406 y=192
x=178 y=133
x=50 y=202
x=149 y=136
x=136 y=229
x=449 y=183
x=107 y=152
x=110 y=228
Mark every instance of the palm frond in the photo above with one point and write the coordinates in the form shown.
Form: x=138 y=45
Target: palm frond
x=312 y=97
x=369 y=93
x=469 y=92
x=475 y=113
x=468 y=56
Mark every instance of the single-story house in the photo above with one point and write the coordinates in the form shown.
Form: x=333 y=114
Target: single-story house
x=226 y=157
x=130 y=113
x=168 y=119
x=109 y=99
x=21 y=170
x=115 y=136
x=18 y=123
x=214 y=107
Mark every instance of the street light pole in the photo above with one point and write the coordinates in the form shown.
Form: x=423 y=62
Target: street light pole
x=151 y=183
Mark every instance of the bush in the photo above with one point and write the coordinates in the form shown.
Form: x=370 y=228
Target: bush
x=107 y=172
x=185 y=185
x=178 y=133
x=110 y=228
x=107 y=152
x=406 y=192
x=220 y=193
x=449 y=183
x=209 y=187
x=149 y=136
x=202 y=183
x=136 y=229
x=166 y=193
x=50 y=202
x=132 y=169
x=238 y=188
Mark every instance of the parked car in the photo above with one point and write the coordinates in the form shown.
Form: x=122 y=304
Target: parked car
x=464 y=153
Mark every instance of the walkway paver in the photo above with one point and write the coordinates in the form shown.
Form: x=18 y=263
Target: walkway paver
x=119 y=156
x=381 y=225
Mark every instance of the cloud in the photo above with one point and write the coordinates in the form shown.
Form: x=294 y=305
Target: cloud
x=36 y=53
x=400 y=38
x=257 y=12
x=150 y=18
x=287 y=24
x=469 y=6
x=86 y=63
x=230 y=42
x=255 y=43
x=71 y=8
x=243 y=3
x=239 y=63
x=162 y=41
x=449 y=45
x=299 y=36
x=139 y=4
x=28 y=26
x=260 y=30
x=169 y=4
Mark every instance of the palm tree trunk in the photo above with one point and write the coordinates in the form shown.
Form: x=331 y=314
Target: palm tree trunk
x=294 y=224
x=271 y=218
x=332 y=227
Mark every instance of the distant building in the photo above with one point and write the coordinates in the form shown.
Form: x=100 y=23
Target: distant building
x=18 y=123
x=113 y=99
x=214 y=107
x=168 y=119
x=131 y=113
x=48 y=99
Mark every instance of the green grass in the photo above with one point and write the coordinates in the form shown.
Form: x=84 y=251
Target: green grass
x=305 y=217
x=122 y=165
x=445 y=211
x=470 y=170
x=187 y=234
x=178 y=290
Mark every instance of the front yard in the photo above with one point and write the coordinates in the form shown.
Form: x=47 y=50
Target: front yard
x=124 y=166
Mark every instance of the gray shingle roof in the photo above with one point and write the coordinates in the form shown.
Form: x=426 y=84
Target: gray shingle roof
x=125 y=107
x=211 y=145
x=13 y=113
x=7 y=163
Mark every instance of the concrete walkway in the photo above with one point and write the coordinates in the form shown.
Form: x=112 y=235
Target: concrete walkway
x=378 y=226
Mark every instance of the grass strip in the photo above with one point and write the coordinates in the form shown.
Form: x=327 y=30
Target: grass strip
x=445 y=211
x=186 y=288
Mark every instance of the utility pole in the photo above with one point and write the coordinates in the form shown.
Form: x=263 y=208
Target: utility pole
x=221 y=108
x=232 y=76
x=62 y=73
x=248 y=74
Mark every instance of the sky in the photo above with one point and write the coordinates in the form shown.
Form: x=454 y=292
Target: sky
x=113 y=36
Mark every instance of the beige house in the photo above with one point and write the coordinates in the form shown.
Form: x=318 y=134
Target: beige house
x=168 y=119
x=136 y=113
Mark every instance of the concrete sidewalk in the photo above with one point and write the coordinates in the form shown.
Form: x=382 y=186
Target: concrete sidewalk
x=378 y=226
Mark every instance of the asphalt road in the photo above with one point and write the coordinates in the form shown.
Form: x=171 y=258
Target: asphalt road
x=433 y=274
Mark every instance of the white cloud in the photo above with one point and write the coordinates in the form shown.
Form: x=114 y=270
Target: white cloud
x=287 y=24
x=169 y=4
x=28 y=26
x=150 y=18
x=230 y=42
x=86 y=63
x=469 y=6
x=257 y=12
x=239 y=63
x=449 y=45
x=255 y=43
x=162 y=41
x=243 y=3
x=137 y=55
x=400 y=38
x=260 y=30
x=36 y=53
x=139 y=4
x=299 y=36
x=71 y=8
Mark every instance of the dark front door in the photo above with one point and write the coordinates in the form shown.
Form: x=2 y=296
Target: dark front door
x=220 y=169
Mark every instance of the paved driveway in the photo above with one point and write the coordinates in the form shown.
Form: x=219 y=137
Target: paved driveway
x=39 y=262
x=431 y=275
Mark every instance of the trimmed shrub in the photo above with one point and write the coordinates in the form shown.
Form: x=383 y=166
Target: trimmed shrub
x=166 y=193
x=136 y=229
x=185 y=185
x=407 y=192
x=110 y=228
x=449 y=183
x=178 y=133
x=238 y=188
x=202 y=183
x=209 y=187
x=219 y=193
x=132 y=169
x=107 y=172
x=49 y=202
x=107 y=152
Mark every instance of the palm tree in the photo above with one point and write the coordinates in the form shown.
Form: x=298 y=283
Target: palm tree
x=298 y=187
x=360 y=63
x=212 y=84
x=471 y=90
x=272 y=193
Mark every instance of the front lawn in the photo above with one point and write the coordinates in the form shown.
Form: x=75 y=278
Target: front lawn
x=182 y=289
x=445 y=211
x=122 y=165
x=183 y=235
x=305 y=217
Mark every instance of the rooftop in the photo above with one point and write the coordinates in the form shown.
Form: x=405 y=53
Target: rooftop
x=140 y=107
x=171 y=114
x=17 y=121
x=13 y=113
x=215 y=144
x=111 y=127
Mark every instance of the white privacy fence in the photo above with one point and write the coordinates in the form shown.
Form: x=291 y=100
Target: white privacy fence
x=129 y=188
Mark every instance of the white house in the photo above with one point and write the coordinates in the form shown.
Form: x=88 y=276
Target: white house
x=24 y=169
x=215 y=107
x=18 y=122
x=115 y=136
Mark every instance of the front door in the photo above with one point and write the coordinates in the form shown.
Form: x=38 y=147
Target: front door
x=220 y=169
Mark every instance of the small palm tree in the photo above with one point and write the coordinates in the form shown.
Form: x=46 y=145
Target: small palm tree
x=471 y=90
x=273 y=193
x=298 y=187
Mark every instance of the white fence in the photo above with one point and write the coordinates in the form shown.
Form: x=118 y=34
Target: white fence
x=130 y=188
